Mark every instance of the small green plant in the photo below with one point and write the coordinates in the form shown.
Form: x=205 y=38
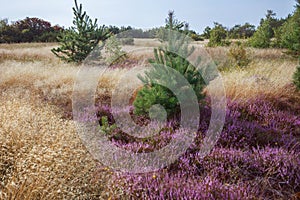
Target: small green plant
x=106 y=127
x=113 y=50
x=296 y=77
x=77 y=42
x=238 y=56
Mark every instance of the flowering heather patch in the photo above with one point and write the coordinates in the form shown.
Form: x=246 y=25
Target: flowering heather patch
x=224 y=174
x=248 y=125
x=258 y=123
x=257 y=156
x=180 y=186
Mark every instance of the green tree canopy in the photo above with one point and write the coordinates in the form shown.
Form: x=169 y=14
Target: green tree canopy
x=289 y=33
x=242 y=31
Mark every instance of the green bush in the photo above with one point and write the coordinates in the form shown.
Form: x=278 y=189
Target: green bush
x=218 y=36
x=296 y=77
x=48 y=37
x=238 y=56
x=153 y=93
x=105 y=127
x=113 y=51
x=262 y=37
x=196 y=37
x=81 y=39
x=289 y=33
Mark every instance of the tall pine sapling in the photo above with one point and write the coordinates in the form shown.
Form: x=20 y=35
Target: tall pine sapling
x=113 y=50
x=173 y=56
x=172 y=24
x=77 y=42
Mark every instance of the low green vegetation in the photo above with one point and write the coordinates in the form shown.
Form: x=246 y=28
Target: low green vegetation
x=296 y=77
x=238 y=55
x=113 y=50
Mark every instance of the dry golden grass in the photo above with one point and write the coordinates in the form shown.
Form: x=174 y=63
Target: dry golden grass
x=27 y=52
x=146 y=42
x=41 y=156
x=262 y=77
x=269 y=75
x=26 y=45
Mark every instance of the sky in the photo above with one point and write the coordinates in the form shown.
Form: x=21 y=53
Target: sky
x=147 y=14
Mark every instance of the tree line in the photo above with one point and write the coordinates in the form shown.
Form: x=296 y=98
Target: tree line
x=271 y=32
x=28 y=30
x=39 y=30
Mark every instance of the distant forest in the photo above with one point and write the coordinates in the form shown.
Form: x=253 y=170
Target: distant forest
x=39 y=30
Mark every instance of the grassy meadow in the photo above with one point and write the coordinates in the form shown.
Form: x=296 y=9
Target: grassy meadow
x=42 y=157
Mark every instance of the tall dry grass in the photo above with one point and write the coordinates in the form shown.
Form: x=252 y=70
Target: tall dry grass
x=41 y=156
x=30 y=52
x=269 y=75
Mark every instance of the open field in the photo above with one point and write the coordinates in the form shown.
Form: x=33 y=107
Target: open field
x=42 y=157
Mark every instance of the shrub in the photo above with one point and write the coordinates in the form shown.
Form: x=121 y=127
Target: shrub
x=218 y=36
x=152 y=95
x=105 y=127
x=48 y=37
x=197 y=37
x=223 y=174
x=80 y=40
x=238 y=55
x=32 y=28
x=262 y=37
x=296 y=77
x=113 y=50
x=206 y=32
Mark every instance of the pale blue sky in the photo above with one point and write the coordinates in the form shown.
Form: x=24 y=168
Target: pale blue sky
x=147 y=14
